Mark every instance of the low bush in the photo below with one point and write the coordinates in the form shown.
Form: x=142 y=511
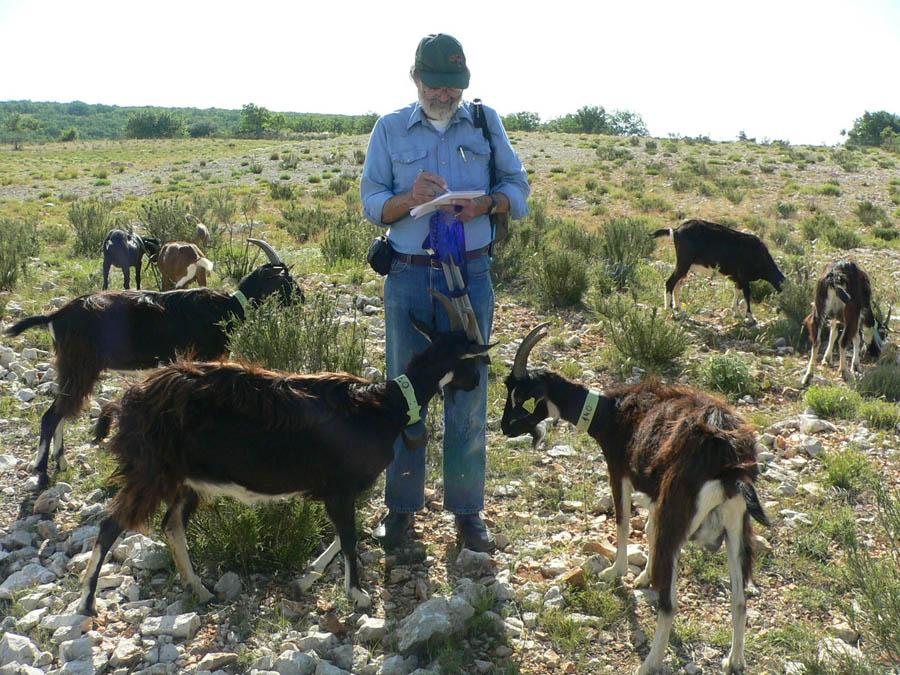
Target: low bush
x=559 y=277
x=92 y=219
x=625 y=242
x=281 y=191
x=849 y=470
x=348 y=237
x=843 y=238
x=833 y=402
x=166 y=220
x=817 y=225
x=794 y=303
x=640 y=338
x=18 y=242
x=728 y=374
x=882 y=381
x=880 y=414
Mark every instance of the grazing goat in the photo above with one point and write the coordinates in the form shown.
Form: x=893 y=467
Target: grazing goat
x=124 y=250
x=201 y=430
x=739 y=256
x=201 y=232
x=688 y=452
x=130 y=330
x=180 y=263
x=843 y=296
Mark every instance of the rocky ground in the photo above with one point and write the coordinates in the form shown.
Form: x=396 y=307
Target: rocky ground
x=424 y=594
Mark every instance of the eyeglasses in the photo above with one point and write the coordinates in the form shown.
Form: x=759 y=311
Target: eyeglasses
x=434 y=92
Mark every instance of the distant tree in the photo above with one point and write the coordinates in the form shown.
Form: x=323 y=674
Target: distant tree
x=366 y=123
x=869 y=129
x=70 y=134
x=79 y=108
x=255 y=121
x=154 y=124
x=17 y=127
x=626 y=123
x=522 y=121
x=592 y=119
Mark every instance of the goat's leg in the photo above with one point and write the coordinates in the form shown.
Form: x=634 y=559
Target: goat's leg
x=832 y=338
x=51 y=424
x=643 y=579
x=137 y=275
x=811 y=366
x=126 y=274
x=58 y=450
x=745 y=287
x=621 y=490
x=736 y=303
x=857 y=345
x=174 y=524
x=318 y=566
x=734 y=516
x=673 y=287
x=342 y=511
x=109 y=532
x=665 y=617
x=106 y=266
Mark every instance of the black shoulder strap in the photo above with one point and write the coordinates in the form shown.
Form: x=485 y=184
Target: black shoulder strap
x=480 y=122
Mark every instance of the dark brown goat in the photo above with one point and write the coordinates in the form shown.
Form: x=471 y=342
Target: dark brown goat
x=131 y=330
x=706 y=245
x=690 y=453
x=197 y=430
x=843 y=296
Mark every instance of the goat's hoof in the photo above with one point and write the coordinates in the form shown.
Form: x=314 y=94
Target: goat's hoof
x=732 y=667
x=304 y=583
x=649 y=670
x=202 y=594
x=360 y=598
x=642 y=580
x=62 y=464
x=608 y=575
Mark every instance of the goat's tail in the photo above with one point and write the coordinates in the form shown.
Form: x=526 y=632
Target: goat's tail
x=104 y=421
x=191 y=272
x=664 y=232
x=29 y=322
x=751 y=499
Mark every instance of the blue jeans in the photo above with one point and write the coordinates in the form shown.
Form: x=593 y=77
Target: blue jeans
x=406 y=289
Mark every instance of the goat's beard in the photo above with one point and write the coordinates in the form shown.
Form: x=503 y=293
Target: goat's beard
x=437 y=111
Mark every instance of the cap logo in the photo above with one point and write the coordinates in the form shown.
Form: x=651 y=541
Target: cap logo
x=455 y=58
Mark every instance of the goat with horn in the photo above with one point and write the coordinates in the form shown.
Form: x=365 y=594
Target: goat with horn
x=132 y=330
x=690 y=453
x=197 y=430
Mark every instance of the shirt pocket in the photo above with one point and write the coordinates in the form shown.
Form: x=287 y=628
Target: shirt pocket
x=474 y=166
x=406 y=166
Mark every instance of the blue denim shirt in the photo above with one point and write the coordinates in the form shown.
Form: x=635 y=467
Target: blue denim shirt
x=404 y=142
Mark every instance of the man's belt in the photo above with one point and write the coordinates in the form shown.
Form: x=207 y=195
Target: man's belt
x=435 y=262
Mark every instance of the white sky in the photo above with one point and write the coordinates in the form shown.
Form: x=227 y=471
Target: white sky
x=796 y=70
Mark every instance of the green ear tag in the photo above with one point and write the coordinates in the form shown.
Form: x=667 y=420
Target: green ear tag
x=529 y=405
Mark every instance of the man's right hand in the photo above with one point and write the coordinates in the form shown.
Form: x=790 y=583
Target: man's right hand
x=426 y=187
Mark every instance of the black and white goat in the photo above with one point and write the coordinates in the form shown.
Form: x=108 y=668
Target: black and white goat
x=843 y=296
x=124 y=250
x=688 y=452
x=709 y=246
x=198 y=430
x=131 y=330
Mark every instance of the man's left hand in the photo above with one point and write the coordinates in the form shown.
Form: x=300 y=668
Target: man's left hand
x=468 y=209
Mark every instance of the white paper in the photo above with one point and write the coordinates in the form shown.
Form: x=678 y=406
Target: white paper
x=446 y=198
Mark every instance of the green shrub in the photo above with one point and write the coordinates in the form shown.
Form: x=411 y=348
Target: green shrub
x=868 y=213
x=886 y=233
x=166 y=219
x=640 y=338
x=625 y=243
x=281 y=191
x=843 y=238
x=830 y=190
x=348 y=237
x=92 y=219
x=18 y=242
x=849 y=470
x=880 y=414
x=305 y=223
x=728 y=374
x=339 y=185
x=875 y=580
x=559 y=277
x=833 y=402
x=786 y=209
x=882 y=381
x=817 y=225
x=289 y=161
x=570 y=235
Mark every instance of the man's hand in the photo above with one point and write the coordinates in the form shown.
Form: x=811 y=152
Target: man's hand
x=468 y=209
x=427 y=186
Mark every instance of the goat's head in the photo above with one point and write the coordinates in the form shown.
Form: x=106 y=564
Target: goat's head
x=458 y=347
x=152 y=247
x=772 y=273
x=273 y=277
x=875 y=333
x=526 y=396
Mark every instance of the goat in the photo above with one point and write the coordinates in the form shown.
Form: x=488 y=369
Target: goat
x=131 y=330
x=199 y=430
x=688 y=452
x=843 y=296
x=181 y=262
x=201 y=232
x=124 y=250
x=740 y=256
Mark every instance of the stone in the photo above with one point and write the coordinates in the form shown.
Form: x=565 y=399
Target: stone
x=473 y=562
x=17 y=649
x=182 y=626
x=429 y=619
x=216 y=661
x=30 y=575
x=142 y=552
x=371 y=630
x=46 y=503
x=293 y=662
x=228 y=588
x=126 y=652
x=318 y=641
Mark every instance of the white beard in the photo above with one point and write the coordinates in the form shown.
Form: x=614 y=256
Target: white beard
x=437 y=111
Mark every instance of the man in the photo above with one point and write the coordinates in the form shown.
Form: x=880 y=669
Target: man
x=415 y=154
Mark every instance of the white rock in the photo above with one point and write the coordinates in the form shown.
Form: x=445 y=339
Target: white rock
x=371 y=629
x=17 y=649
x=318 y=641
x=30 y=575
x=181 y=626
x=8 y=462
x=293 y=662
x=25 y=395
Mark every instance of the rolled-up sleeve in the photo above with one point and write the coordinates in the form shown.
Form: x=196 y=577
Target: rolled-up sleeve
x=512 y=180
x=377 y=177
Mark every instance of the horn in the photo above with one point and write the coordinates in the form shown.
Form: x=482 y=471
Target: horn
x=521 y=361
x=273 y=257
x=456 y=321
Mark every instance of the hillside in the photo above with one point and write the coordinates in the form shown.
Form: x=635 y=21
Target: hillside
x=532 y=610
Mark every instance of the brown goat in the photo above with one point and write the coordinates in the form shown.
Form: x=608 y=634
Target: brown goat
x=690 y=453
x=180 y=263
x=201 y=232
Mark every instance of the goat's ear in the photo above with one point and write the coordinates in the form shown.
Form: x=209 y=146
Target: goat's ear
x=420 y=326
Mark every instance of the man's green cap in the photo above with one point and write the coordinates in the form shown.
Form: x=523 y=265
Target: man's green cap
x=440 y=62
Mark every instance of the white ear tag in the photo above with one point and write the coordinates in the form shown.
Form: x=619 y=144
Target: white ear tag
x=529 y=405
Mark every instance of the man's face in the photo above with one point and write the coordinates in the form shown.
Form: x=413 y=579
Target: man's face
x=439 y=103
